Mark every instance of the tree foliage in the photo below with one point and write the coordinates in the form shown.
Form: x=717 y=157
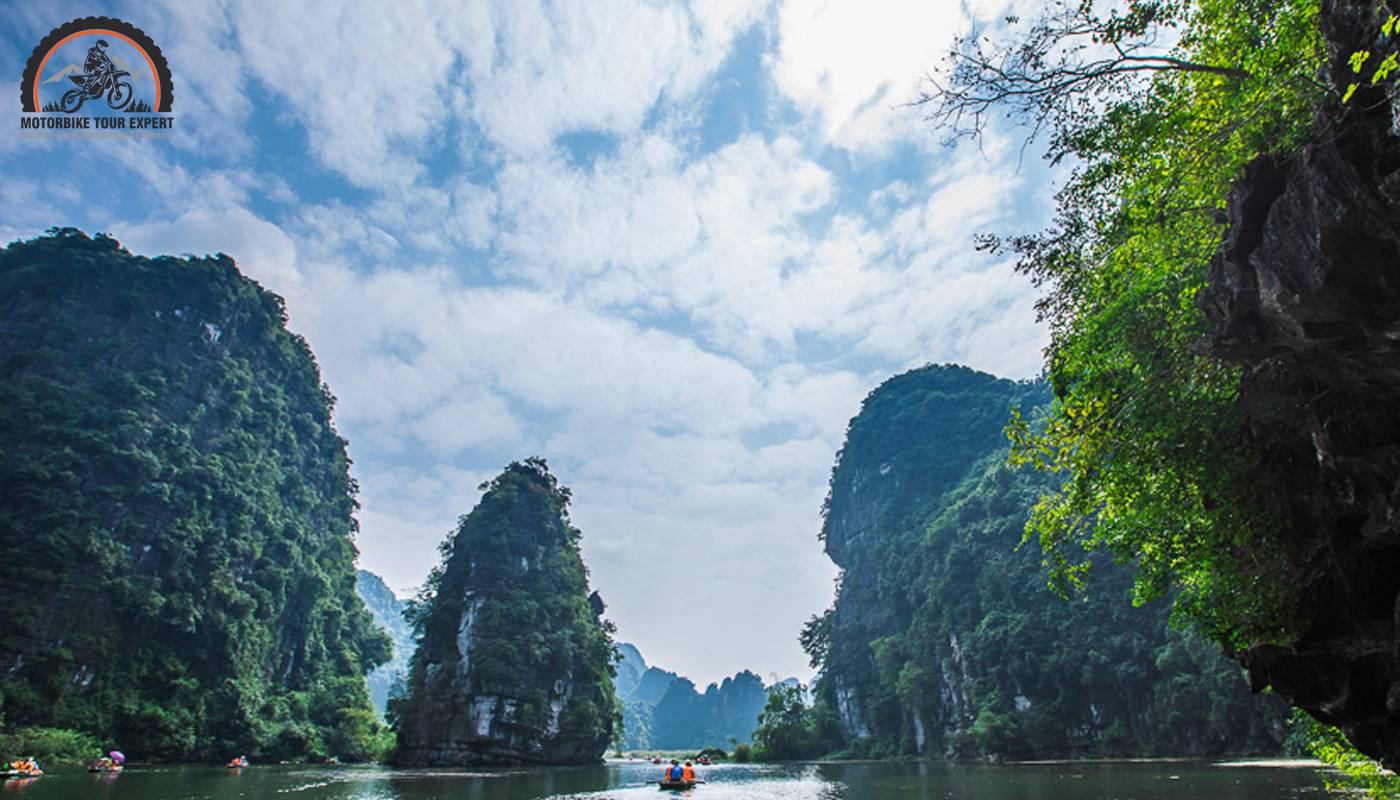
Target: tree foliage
x=176 y=519
x=789 y=728
x=1145 y=426
x=943 y=638
x=1351 y=773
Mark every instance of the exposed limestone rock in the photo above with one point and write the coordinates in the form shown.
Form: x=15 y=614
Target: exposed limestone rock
x=514 y=665
x=1305 y=294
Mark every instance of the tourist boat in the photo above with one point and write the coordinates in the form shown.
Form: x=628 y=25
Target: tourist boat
x=14 y=774
x=678 y=784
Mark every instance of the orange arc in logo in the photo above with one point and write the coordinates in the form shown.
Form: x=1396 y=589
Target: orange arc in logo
x=38 y=75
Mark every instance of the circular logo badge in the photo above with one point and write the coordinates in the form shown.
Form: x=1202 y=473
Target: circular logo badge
x=97 y=66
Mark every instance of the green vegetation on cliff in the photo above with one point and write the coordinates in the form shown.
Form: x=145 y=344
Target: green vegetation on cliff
x=514 y=663
x=179 y=568
x=1146 y=425
x=944 y=638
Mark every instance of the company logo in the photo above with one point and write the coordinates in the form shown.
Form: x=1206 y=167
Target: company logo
x=97 y=74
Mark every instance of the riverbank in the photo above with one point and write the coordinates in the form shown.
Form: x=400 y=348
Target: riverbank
x=50 y=746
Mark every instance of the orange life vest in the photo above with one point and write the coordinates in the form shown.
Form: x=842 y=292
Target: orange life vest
x=687 y=773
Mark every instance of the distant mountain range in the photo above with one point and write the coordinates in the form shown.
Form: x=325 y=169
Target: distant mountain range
x=387 y=610
x=665 y=711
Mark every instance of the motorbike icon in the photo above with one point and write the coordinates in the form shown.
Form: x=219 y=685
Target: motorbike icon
x=118 y=91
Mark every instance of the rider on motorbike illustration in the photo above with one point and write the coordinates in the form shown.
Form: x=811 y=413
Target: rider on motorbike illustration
x=101 y=76
x=98 y=66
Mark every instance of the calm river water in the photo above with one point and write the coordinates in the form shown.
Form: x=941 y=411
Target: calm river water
x=852 y=781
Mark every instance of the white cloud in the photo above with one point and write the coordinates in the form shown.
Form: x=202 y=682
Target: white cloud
x=211 y=100
x=736 y=527
x=598 y=66
x=370 y=80
x=710 y=238
x=376 y=82
x=29 y=206
x=526 y=345
x=263 y=251
x=853 y=64
x=724 y=240
x=816 y=403
x=463 y=422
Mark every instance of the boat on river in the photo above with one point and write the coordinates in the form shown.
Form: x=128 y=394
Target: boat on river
x=14 y=774
x=677 y=784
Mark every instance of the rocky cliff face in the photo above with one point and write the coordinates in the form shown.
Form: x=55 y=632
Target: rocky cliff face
x=944 y=639
x=387 y=611
x=1305 y=295
x=514 y=664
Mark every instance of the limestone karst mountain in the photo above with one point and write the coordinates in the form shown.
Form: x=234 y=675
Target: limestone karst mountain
x=514 y=664
x=176 y=513
x=944 y=638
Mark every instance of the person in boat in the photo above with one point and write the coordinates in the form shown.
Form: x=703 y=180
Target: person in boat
x=688 y=772
x=673 y=773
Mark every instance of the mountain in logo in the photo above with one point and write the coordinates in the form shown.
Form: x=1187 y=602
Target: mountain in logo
x=76 y=70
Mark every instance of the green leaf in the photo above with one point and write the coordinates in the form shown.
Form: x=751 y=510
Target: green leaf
x=1389 y=65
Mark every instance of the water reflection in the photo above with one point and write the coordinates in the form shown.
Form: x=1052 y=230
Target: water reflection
x=738 y=783
x=621 y=781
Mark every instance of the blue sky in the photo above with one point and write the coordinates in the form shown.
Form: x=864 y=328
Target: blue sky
x=668 y=247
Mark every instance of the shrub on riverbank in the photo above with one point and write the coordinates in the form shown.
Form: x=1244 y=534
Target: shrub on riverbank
x=48 y=745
